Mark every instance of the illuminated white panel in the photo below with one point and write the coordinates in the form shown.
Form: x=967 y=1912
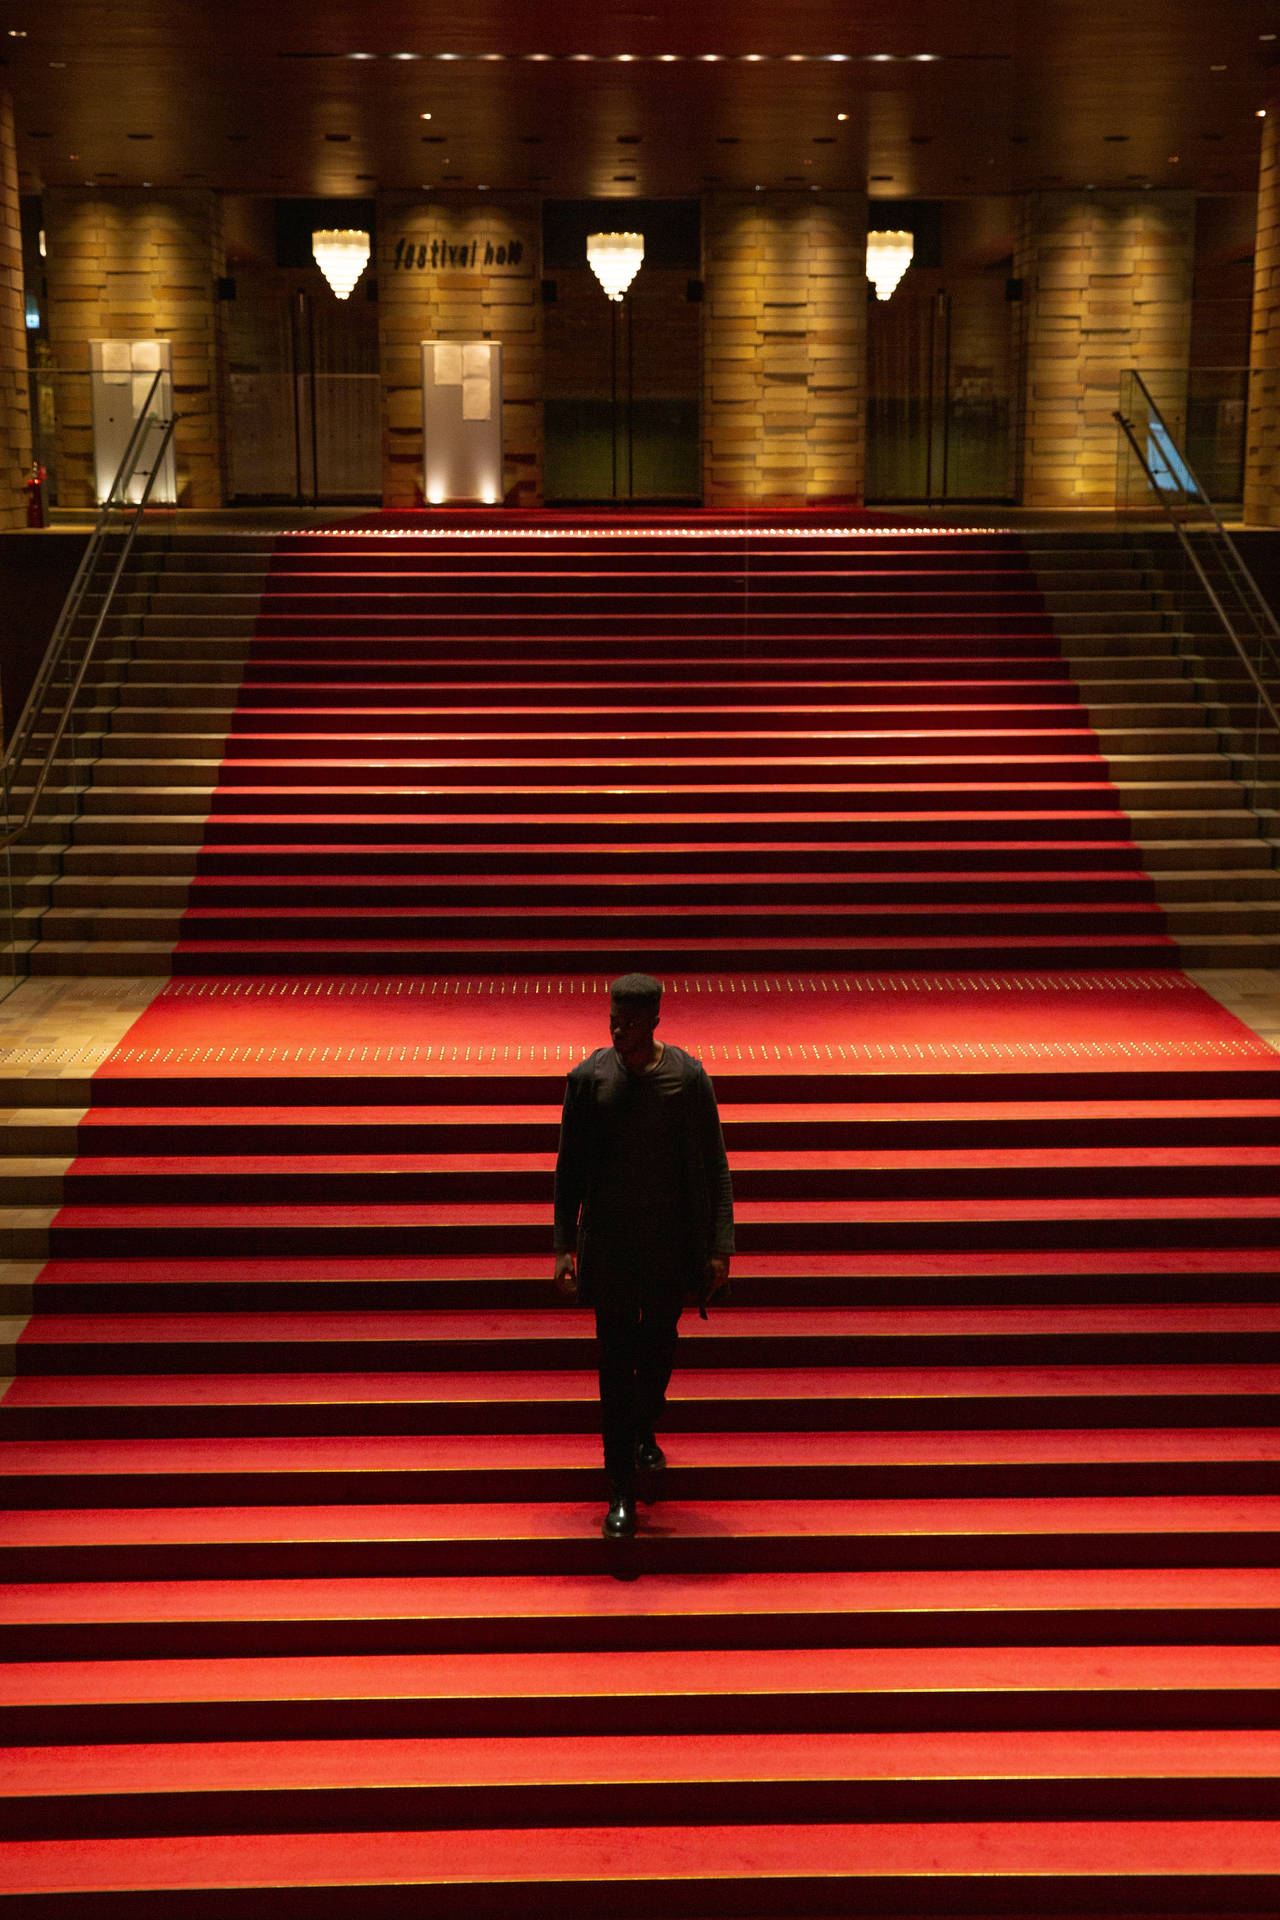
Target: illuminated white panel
x=462 y=421
x=121 y=373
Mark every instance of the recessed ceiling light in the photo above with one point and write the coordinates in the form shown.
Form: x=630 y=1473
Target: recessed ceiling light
x=1261 y=114
x=58 y=65
x=838 y=56
x=362 y=56
x=424 y=116
x=926 y=56
x=17 y=33
x=797 y=56
x=1266 y=36
x=542 y=56
x=446 y=56
x=880 y=56
x=1221 y=67
x=406 y=56
x=711 y=56
x=493 y=56
x=842 y=116
x=753 y=56
x=582 y=56
x=624 y=56
x=667 y=57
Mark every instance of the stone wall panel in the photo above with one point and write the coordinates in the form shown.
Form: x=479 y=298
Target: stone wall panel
x=1107 y=283
x=1262 y=442
x=784 y=349
x=498 y=300
x=15 y=435
x=126 y=264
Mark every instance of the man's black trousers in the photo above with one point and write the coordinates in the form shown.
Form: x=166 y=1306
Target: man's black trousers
x=637 y=1347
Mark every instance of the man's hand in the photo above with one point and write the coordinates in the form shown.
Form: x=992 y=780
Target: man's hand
x=566 y=1275
x=714 y=1280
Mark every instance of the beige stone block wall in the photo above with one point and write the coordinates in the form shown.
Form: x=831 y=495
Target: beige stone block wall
x=1262 y=444
x=460 y=269
x=138 y=264
x=784 y=348
x=15 y=417
x=1107 y=284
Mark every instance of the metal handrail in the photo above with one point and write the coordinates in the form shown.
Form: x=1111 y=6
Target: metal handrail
x=71 y=609
x=1261 y=611
x=1267 y=619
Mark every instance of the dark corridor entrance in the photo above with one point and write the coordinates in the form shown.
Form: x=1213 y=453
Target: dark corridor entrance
x=942 y=361
x=623 y=382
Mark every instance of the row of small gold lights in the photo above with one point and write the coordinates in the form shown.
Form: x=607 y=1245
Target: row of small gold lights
x=662 y=59
x=621 y=533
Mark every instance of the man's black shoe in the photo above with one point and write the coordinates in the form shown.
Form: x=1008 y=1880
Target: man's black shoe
x=649 y=1454
x=620 y=1521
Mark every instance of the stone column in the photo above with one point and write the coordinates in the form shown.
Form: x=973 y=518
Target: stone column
x=784 y=349
x=1106 y=287
x=1262 y=446
x=460 y=269
x=137 y=264
x=15 y=414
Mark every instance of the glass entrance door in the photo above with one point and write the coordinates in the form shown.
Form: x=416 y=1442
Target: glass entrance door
x=942 y=361
x=621 y=408
x=304 y=408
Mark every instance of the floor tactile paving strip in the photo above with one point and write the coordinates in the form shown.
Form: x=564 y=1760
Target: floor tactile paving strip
x=858 y=1023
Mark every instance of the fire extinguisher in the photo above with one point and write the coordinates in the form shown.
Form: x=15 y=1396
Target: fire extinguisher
x=35 y=495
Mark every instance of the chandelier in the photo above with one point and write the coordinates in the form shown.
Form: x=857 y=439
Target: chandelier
x=615 y=259
x=888 y=257
x=341 y=253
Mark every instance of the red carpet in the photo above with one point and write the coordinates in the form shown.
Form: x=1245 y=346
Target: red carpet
x=960 y=1594
x=798 y=751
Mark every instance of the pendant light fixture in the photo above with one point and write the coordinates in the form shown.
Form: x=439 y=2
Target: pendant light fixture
x=342 y=254
x=888 y=257
x=615 y=259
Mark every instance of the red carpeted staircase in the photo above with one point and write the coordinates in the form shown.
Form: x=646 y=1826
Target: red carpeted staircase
x=959 y=1596
x=800 y=749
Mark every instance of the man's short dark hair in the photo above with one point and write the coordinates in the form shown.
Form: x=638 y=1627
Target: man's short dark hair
x=637 y=990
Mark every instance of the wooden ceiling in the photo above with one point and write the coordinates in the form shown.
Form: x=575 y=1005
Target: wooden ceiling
x=920 y=99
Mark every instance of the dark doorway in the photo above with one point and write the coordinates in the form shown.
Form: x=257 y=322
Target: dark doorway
x=942 y=358
x=623 y=381
x=304 y=414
